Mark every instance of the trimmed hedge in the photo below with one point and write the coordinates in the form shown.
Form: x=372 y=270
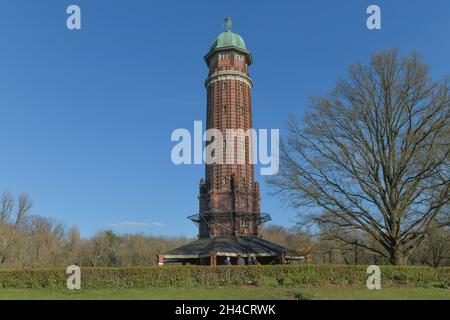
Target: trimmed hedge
x=199 y=276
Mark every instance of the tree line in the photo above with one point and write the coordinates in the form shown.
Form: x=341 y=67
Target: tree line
x=31 y=241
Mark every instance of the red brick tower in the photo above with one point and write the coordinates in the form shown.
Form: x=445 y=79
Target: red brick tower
x=229 y=218
x=229 y=196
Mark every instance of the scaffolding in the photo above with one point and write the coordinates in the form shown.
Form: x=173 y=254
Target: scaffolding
x=228 y=217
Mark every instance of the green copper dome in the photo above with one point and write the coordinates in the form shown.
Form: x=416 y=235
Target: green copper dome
x=228 y=39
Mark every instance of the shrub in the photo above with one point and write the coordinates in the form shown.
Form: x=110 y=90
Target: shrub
x=303 y=296
x=202 y=276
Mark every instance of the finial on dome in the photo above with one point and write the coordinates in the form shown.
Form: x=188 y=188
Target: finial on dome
x=228 y=24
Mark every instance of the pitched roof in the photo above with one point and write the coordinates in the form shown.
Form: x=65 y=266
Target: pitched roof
x=227 y=246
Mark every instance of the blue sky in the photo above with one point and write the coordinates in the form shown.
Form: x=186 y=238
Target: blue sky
x=86 y=116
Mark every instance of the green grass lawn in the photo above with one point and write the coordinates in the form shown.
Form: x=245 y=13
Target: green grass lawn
x=228 y=293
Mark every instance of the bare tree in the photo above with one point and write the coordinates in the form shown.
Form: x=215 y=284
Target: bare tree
x=71 y=246
x=374 y=153
x=46 y=237
x=10 y=221
x=435 y=250
x=295 y=239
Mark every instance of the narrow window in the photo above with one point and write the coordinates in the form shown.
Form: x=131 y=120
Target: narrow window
x=245 y=221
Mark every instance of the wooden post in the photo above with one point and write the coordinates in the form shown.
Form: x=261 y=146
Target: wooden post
x=160 y=260
x=282 y=258
x=213 y=258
